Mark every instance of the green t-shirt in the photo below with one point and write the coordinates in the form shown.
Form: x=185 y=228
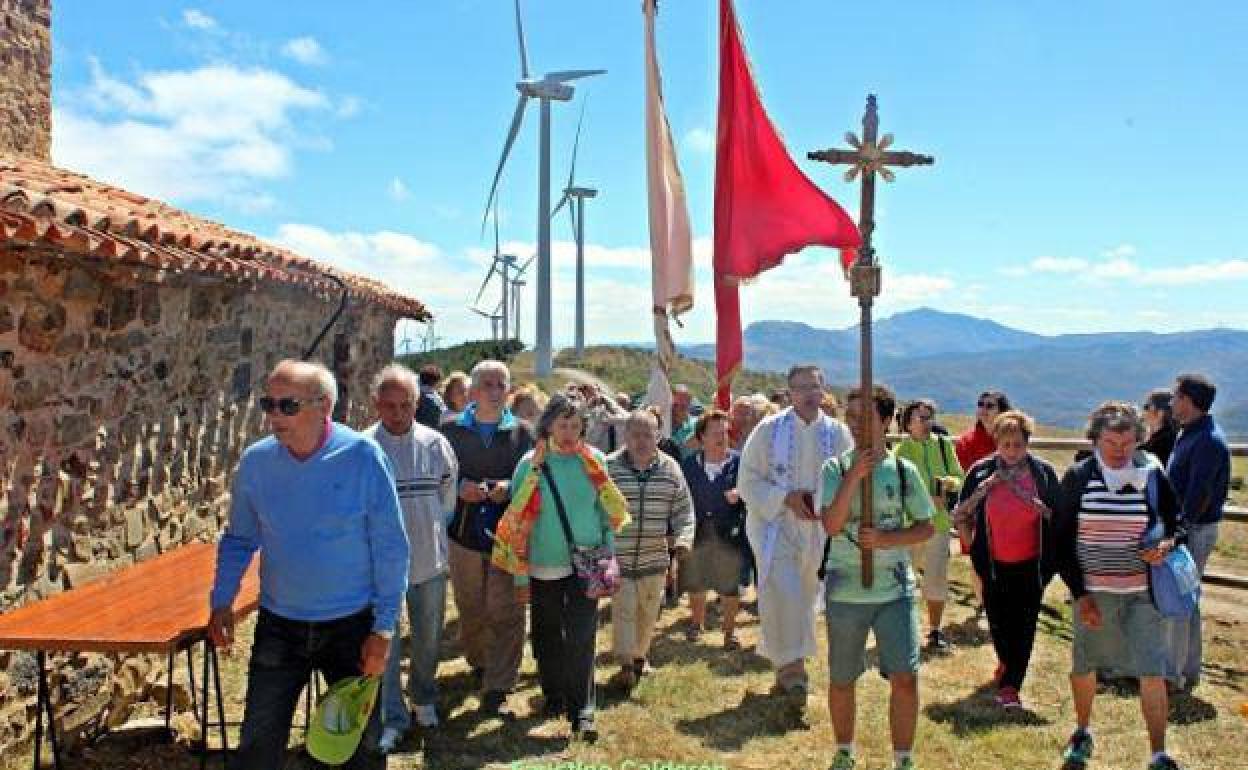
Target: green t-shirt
x=894 y=579
x=934 y=458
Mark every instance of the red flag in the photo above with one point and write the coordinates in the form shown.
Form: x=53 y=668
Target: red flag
x=765 y=207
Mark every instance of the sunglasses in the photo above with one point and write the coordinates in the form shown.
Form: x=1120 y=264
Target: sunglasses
x=287 y=406
x=987 y=405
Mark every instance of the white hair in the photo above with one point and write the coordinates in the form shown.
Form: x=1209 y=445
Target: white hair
x=309 y=374
x=490 y=365
x=399 y=376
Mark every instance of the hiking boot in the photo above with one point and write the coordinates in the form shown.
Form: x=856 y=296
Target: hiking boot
x=584 y=730
x=494 y=703
x=554 y=708
x=842 y=761
x=1164 y=762
x=1007 y=698
x=1078 y=750
x=626 y=678
x=937 y=641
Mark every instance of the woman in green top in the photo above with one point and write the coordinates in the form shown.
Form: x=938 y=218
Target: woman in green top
x=937 y=462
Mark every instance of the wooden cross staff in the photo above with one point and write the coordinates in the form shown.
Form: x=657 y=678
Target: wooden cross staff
x=869 y=156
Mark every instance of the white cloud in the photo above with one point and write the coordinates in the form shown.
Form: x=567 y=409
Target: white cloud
x=399 y=260
x=305 y=50
x=196 y=19
x=1203 y=272
x=211 y=133
x=700 y=140
x=397 y=190
x=348 y=107
x=1058 y=265
x=1121 y=251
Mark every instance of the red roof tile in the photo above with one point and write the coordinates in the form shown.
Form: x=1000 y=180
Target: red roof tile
x=42 y=203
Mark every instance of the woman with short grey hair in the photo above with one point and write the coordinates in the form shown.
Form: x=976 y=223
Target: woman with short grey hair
x=1117 y=515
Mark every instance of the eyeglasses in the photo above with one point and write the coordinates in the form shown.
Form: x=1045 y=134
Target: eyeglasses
x=924 y=417
x=287 y=406
x=987 y=405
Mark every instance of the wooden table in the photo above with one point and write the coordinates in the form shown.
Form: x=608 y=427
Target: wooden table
x=156 y=606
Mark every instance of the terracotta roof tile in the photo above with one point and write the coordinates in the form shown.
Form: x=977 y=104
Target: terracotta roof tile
x=42 y=203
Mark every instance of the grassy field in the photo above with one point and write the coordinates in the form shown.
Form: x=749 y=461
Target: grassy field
x=705 y=707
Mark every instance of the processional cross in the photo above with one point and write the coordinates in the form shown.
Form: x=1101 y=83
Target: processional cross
x=870 y=156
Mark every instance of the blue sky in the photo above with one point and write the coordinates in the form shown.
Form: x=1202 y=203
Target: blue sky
x=1089 y=162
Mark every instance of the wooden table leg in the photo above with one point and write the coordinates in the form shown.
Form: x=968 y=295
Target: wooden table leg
x=203 y=721
x=169 y=693
x=44 y=703
x=216 y=677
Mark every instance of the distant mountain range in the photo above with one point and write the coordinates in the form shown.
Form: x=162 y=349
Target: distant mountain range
x=1058 y=379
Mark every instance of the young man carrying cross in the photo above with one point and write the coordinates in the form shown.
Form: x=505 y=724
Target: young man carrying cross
x=902 y=517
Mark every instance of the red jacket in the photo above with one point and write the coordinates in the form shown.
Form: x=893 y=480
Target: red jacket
x=974 y=445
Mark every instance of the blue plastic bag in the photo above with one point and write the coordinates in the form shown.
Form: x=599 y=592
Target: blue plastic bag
x=1176 y=584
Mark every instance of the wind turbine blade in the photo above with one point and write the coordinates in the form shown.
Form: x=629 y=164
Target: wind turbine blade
x=562 y=202
x=524 y=54
x=496 y=249
x=516 y=120
x=479 y=312
x=576 y=144
x=488 y=276
x=563 y=76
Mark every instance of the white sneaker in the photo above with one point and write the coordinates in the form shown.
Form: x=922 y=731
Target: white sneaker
x=426 y=715
x=390 y=738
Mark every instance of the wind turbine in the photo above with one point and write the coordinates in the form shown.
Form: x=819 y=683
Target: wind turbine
x=517 y=283
x=551 y=87
x=494 y=319
x=576 y=213
x=501 y=264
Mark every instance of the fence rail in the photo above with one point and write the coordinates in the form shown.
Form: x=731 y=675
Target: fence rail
x=1232 y=513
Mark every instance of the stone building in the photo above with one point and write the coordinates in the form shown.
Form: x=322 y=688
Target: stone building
x=133 y=337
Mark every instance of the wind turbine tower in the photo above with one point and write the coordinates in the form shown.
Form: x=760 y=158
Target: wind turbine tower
x=551 y=87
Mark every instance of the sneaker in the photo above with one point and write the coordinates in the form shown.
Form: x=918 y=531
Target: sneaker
x=478 y=677
x=1164 y=762
x=905 y=764
x=731 y=643
x=426 y=715
x=842 y=761
x=937 y=641
x=1007 y=698
x=1078 y=751
x=390 y=738
x=641 y=667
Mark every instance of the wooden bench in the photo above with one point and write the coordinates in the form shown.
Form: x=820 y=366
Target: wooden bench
x=156 y=606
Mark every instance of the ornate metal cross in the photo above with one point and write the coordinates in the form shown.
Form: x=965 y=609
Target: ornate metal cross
x=870 y=156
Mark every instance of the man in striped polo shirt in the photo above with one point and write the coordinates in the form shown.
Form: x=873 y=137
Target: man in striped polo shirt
x=1117 y=514
x=425 y=472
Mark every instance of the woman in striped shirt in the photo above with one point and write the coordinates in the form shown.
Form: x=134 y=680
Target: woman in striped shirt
x=1110 y=505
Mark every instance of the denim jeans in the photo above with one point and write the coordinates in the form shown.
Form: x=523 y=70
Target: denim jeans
x=426 y=609
x=284 y=654
x=564 y=622
x=1184 y=633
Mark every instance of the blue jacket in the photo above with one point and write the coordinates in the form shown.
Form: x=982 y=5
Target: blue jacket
x=712 y=510
x=1200 y=470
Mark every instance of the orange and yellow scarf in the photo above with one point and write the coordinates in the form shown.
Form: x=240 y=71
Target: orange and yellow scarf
x=511 y=538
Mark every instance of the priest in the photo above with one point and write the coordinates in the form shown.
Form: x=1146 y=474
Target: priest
x=780 y=469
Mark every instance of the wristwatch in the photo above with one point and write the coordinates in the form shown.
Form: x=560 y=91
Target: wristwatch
x=387 y=635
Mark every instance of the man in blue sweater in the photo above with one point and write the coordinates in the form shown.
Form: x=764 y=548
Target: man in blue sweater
x=318 y=501
x=1200 y=471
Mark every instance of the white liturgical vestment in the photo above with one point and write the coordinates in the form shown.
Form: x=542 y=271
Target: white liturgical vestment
x=786 y=453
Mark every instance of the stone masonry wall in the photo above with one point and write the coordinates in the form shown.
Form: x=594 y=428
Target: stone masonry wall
x=26 y=77
x=125 y=400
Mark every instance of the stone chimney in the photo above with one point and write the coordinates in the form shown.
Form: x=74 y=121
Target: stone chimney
x=26 y=78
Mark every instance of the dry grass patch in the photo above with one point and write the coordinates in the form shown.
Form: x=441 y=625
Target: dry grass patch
x=703 y=705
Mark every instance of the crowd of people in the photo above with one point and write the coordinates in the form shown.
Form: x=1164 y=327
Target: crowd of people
x=536 y=508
